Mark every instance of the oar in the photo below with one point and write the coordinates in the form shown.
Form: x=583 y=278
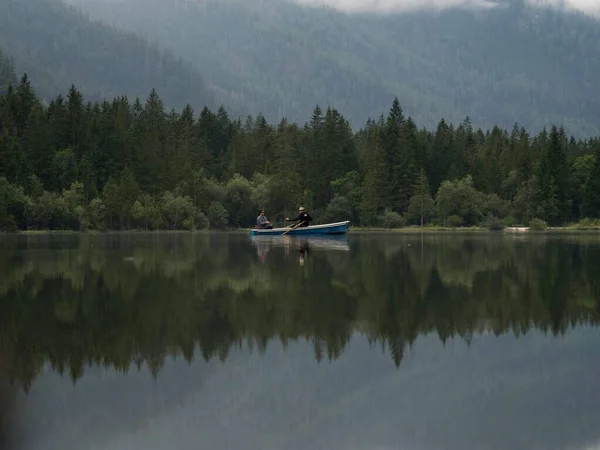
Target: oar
x=293 y=228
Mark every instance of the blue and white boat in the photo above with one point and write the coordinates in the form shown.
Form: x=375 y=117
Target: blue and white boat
x=327 y=228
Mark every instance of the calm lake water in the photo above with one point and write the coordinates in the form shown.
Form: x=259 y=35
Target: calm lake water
x=221 y=341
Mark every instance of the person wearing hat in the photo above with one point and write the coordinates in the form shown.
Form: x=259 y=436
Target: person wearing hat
x=263 y=222
x=303 y=217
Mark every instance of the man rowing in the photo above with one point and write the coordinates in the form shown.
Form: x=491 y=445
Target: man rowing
x=303 y=217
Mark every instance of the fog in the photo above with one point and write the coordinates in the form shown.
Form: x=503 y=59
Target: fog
x=588 y=6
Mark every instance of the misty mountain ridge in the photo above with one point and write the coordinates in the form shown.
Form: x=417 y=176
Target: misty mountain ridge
x=58 y=47
x=516 y=63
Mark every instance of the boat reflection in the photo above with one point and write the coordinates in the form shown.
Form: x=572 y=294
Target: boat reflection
x=302 y=244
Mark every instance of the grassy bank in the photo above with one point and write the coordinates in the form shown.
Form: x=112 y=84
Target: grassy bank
x=581 y=227
x=416 y=229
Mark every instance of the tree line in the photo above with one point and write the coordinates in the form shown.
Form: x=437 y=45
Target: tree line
x=119 y=165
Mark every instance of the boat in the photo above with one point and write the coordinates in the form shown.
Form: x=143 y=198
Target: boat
x=327 y=228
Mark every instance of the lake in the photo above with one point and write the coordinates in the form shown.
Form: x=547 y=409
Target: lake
x=368 y=341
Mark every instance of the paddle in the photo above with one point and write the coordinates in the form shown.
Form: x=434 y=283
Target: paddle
x=293 y=228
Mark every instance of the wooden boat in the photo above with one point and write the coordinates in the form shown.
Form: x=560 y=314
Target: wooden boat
x=327 y=228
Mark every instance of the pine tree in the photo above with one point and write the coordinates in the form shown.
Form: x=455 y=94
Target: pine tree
x=552 y=179
x=406 y=172
x=440 y=155
x=591 y=195
x=23 y=102
x=58 y=124
x=151 y=148
x=421 y=204
x=373 y=201
x=316 y=161
x=263 y=145
x=285 y=189
x=76 y=122
x=397 y=162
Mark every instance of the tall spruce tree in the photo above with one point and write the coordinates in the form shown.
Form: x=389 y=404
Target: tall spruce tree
x=552 y=176
x=406 y=172
x=396 y=161
x=373 y=200
x=591 y=195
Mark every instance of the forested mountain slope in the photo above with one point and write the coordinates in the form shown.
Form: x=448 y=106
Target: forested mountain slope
x=7 y=73
x=58 y=47
x=501 y=65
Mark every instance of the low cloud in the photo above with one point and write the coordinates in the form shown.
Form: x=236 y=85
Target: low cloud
x=588 y=6
x=396 y=5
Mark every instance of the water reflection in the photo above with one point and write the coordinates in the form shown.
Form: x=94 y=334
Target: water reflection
x=299 y=244
x=70 y=300
x=139 y=340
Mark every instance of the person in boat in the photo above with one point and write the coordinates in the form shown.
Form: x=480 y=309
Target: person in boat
x=303 y=217
x=262 y=221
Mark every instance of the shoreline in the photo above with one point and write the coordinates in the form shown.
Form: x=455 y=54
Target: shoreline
x=352 y=230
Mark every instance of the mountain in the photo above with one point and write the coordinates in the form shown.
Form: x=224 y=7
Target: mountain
x=57 y=47
x=505 y=64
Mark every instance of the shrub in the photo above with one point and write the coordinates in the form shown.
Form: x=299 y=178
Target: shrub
x=454 y=221
x=391 y=219
x=509 y=221
x=588 y=223
x=202 y=222
x=217 y=216
x=537 y=224
x=493 y=223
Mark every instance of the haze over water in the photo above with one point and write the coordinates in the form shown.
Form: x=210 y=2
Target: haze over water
x=202 y=341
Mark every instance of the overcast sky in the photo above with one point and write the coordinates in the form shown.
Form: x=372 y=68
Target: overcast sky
x=591 y=6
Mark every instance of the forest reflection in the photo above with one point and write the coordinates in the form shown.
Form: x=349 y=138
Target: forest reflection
x=122 y=300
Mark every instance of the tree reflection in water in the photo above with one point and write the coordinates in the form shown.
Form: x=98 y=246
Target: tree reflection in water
x=124 y=299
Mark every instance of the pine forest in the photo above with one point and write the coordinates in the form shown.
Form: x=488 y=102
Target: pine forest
x=124 y=165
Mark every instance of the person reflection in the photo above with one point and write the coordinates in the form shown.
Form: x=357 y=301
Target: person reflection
x=262 y=248
x=304 y=248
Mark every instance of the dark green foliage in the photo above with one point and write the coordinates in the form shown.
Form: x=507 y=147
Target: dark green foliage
x=591 y=193
x=117 y=165
x=217 y=216
x=492 y=223
x=375 y=185
x=538 y=224
x=421 y=207
x=281 y=59
x=57 y=46
x=553 y=181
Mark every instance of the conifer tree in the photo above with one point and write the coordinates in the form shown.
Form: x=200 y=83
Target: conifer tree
x=591 y=196
x=396 y=161
x=552 y=176
x=406 y=172
x=421 y=204
x=373 y=200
